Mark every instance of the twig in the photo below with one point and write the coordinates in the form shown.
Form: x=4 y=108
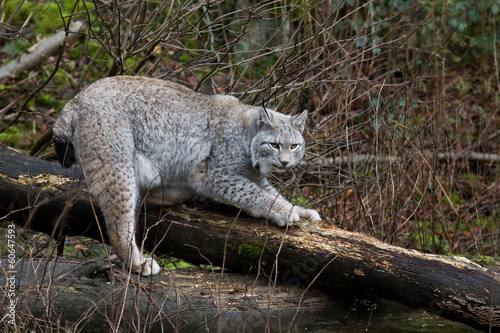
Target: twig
x=46 y=48
x=391 y=159
x=60 y=49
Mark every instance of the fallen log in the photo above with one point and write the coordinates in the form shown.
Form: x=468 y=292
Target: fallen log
x=81 y=294
x=47 y=198
x=44 y=49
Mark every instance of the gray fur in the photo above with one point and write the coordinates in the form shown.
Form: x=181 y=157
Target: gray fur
x=135 y=134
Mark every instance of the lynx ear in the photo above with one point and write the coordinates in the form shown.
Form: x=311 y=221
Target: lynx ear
x=265 y=118
x=299 y=121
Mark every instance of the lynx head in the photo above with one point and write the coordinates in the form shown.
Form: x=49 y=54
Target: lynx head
x=277 y=143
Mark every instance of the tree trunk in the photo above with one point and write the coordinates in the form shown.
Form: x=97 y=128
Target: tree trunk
x=40 y=195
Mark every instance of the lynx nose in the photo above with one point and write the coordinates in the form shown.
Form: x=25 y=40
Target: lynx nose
x=285 y=162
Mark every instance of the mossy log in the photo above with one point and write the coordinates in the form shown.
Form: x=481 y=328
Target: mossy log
x=42 y=196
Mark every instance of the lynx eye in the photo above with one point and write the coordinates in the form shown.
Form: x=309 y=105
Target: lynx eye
x=294 y=146
x=274 y=145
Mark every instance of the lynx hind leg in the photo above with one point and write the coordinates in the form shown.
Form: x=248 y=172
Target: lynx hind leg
x=171 y=195
x=116 y=194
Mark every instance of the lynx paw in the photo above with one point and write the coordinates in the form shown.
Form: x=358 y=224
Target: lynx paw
x=310 y=214
x=289 y=217
x=294 y=214
x=147 y=267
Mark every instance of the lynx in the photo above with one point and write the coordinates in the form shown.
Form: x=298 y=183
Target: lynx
x=137 y=136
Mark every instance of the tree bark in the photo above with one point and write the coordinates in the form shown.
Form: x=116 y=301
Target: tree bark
x=41 y=195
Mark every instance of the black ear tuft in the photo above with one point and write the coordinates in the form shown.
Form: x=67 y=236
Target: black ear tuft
x=265 y=118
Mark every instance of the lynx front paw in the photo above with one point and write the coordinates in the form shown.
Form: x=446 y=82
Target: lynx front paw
x=147 y=267
x=309 y=214
x=286 y=217
x=294 y=215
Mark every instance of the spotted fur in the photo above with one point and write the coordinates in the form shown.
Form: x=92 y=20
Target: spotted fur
x=134 y=135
